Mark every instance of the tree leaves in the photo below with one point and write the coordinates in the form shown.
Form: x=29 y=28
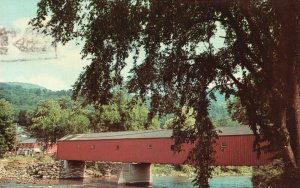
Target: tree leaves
x=7 y=128
x=123 y=113
x=54 y=119
x=181 y=63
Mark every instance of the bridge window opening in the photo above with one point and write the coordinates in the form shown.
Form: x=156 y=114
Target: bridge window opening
x=223 y=146
x=117 y=147
x=172 y=147
x=149 y=146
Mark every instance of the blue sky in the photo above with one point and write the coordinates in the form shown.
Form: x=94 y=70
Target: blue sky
x=53 y=73
x=12 y=10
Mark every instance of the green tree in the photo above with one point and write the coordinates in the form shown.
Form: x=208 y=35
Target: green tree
x=54 y=119
x=238 y=111
x=259 y=62
x=77 y=120
x=7 y=128
x=122 y=113
x=219 y=112
x=187 y=114
x=24 y=118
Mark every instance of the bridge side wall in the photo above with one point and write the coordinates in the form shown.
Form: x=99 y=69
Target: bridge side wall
x=128 y=151
x=238 y=151
x=230 y=150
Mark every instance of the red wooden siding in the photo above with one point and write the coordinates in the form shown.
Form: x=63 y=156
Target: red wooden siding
x=130 y=150
x=238 y=151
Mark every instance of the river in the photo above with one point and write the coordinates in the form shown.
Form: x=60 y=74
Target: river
x=158 y=182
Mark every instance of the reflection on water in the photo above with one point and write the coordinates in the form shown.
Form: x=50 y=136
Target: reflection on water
x=159 y=182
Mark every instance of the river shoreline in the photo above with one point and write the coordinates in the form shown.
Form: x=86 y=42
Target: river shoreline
x=158 y=182
x=18 y=170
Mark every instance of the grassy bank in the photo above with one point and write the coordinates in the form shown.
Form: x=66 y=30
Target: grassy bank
x=27 y=159
x=188 y=171
x=103 y=169
x=170 y=170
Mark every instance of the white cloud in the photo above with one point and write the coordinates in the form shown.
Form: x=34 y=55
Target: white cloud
x=69 y=56
x=20 y=24
x=38 y=68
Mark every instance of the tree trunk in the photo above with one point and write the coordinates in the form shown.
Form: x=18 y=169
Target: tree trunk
x=297 y=122
x=288 y=14
x=297 y=86
x=288 y=153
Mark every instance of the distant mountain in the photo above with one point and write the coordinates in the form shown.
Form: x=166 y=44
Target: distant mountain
x=24 y=96
x=218 y=112
x=20 y=84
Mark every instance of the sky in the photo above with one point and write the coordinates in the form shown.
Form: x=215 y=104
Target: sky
x=54 y=70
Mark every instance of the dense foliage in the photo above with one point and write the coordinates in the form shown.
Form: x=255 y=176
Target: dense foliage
x=176 y=63
x=52 y=120
x=25 y=97
x=7 y=128
x=122 y=113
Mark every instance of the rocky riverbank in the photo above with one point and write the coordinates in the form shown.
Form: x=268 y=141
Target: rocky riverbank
x=43 y=170
x=46 y=170
x=29 y=170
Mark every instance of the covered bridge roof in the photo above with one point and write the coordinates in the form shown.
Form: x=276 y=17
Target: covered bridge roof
x=225 y=131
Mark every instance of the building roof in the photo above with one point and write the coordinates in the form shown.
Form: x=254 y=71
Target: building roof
x=223 y=131
x=231 y=131
x=28 y=141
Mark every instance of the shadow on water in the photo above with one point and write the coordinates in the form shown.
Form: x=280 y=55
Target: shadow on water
x=159 y=182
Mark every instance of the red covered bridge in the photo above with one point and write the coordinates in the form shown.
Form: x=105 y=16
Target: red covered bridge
x=234 y=147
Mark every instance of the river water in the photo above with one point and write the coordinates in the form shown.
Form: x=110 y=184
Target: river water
x=158 y=182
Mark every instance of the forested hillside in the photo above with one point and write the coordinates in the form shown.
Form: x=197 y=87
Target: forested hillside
x=25 y=96
x=218 y=112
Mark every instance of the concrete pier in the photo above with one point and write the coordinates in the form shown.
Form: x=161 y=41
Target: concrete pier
x=73 y=169
x=136 y=174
